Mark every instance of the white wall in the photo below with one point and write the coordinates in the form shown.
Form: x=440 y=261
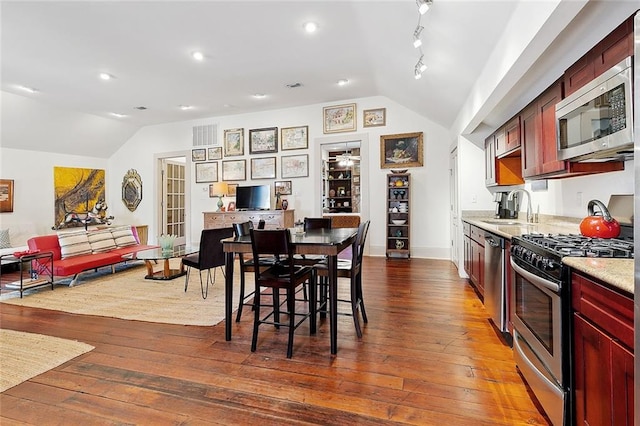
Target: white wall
x=430 y=233
x=32 y=172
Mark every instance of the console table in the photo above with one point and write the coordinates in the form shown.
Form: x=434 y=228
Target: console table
x=274 y=219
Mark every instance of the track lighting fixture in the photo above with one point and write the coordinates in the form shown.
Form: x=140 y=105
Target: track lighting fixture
x=416 y=36
x=423 y=6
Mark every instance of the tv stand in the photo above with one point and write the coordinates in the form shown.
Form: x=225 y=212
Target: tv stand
x=274 y=219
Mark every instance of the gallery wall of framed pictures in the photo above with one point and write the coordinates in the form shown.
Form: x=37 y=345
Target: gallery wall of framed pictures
x=215 y=164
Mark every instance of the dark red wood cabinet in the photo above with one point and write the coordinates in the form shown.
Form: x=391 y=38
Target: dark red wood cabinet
x=602 y=354
x=611 y=50
x=474 y=255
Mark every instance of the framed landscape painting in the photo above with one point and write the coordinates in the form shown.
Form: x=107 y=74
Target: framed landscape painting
x=295 y=166
x=374 y=117
x=214 y=153
x=263 y=140
x=263 y=168
x=282 y=187
x=294 y=137
x=207 y=172
x=199 y=154
x=234 y=170
x=401 y=150
x=233 y=142
x=339 y=118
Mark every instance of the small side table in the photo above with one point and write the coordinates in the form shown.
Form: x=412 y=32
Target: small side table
x=36 y=270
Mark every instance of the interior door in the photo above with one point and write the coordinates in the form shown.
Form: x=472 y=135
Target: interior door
x=173 y=204
x=453 y=196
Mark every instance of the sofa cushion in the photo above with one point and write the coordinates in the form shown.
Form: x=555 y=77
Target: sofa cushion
x=123 y=236
x=74 y=243
x=46 y=243
x=5 y=241
x=101 y=240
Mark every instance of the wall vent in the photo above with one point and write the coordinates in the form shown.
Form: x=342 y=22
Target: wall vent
x=205 y=135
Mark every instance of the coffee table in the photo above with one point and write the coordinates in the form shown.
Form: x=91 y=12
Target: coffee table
x=152 y=256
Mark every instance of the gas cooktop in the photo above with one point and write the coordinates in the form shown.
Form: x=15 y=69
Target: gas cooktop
x=580 y=246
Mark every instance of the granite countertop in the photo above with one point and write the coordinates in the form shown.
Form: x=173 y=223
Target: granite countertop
x=617 y=272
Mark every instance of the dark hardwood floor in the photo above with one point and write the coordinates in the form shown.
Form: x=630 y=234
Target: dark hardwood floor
x=428 y=356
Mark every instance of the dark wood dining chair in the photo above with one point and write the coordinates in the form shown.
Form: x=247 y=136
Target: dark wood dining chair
x=247 y=265
x=309 y=224
x=347 y=268
x=286 y=275
x=209 y=256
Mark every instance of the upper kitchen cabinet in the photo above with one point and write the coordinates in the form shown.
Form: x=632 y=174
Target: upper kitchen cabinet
x=539 y=147
x=502 y=161
x=604 y=55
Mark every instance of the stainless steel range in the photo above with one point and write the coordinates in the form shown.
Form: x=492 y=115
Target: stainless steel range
x=541 y=311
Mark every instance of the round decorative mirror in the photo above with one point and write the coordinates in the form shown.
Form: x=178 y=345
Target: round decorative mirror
x=132 y=190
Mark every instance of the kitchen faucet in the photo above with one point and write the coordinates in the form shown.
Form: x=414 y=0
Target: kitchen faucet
x=529 y=211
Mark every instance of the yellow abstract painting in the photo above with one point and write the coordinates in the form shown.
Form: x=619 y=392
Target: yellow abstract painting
x=79 y=196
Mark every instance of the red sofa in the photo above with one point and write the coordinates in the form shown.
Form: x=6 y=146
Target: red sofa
x=77 y=263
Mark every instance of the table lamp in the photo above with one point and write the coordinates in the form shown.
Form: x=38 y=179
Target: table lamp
x=219 y=189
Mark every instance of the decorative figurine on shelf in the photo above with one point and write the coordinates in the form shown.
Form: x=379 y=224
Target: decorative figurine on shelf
x=399 y=244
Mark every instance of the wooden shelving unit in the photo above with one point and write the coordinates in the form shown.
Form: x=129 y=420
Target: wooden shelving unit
x=341 y=186
x=398 y=215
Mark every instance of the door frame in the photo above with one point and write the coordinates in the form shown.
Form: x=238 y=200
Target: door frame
x=157 y=191
x=363 y=139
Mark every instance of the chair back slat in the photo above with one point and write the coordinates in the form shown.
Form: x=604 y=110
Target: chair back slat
x=271 y=242
x=358 y=245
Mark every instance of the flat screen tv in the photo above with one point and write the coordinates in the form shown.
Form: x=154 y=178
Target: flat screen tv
x=257 y=197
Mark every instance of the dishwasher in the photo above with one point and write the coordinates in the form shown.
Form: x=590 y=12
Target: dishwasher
x=495 y=299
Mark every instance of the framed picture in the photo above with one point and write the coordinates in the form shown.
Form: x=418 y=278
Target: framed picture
x=339 y=118
x=294 y=137
x=263 y=140
x=233 y=142
x=295 y=166
x=282 y=187
x=232 y=189
x=231 y=207
x=6 y=195
x=199 y=154
x=401 y=150
x=263 y=168
x=234 y=170
x=207 y=172
x=374 y=117
x=214 y=153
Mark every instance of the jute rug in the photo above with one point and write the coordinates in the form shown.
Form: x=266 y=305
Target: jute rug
x=128 y=295
x=25 y=355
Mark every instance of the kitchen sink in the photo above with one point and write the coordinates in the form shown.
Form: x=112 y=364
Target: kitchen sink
x=505 y=222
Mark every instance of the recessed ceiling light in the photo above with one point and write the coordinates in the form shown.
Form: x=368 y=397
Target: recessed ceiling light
x=115 y=114
x=185 y=107
x=27 y=89
x=259 y=95
x=343 y=82
x=105 y=76
x=198 y=56
x=310 y=27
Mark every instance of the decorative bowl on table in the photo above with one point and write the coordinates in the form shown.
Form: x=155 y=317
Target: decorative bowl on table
x=166 y=242
x=398 y=221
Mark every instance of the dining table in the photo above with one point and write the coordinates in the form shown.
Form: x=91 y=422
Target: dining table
x=327 y=242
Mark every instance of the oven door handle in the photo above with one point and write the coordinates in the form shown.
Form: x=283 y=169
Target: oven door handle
x=534 y=279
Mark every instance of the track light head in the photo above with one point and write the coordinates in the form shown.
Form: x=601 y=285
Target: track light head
x=423 y=6
x=417 y=42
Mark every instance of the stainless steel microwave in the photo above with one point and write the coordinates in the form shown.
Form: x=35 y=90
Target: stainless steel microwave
x=596 y=122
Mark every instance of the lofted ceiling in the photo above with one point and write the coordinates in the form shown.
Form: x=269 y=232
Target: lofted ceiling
x=250 y=47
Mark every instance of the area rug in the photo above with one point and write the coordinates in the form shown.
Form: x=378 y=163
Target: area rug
x=25 y=355
x=128 y=295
